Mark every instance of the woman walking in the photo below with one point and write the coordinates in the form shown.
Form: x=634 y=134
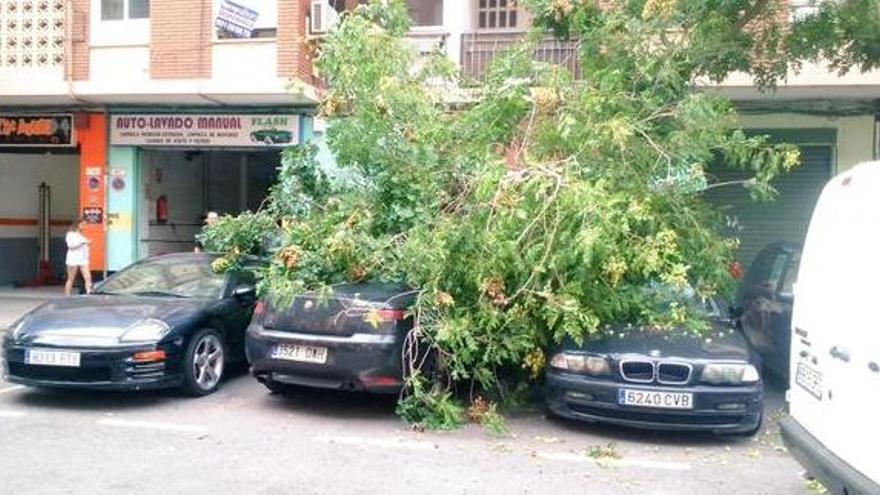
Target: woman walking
x=77 y=257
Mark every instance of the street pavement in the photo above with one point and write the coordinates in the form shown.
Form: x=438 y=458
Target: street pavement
x=244 y=440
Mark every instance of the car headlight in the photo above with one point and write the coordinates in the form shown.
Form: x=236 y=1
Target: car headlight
x=731 y=374
x=16 y=330
x=581 y=363
x=148 y=330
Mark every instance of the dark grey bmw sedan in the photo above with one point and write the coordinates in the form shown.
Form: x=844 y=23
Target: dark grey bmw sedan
x=641 y=378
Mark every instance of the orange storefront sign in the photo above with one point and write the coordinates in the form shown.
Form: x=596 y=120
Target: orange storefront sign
x=36 y=130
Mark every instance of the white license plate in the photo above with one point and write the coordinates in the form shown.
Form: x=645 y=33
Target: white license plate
x=52 y=358
x=301 y=353
x=658 y=399
x=810 y=380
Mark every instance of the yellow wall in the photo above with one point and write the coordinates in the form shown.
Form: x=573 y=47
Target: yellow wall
x=855 y=135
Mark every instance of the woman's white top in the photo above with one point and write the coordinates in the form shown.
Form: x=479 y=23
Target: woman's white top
x=77 y=249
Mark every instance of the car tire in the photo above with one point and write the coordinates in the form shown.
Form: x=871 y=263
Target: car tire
x=204 y=363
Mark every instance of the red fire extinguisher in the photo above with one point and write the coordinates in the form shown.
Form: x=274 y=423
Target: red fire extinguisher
x=162 y=209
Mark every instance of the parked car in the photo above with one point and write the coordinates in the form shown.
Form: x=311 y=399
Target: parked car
x=660 y=379
x=167 y=321
x=835 y=341
x=764 y=305
x=350 y=339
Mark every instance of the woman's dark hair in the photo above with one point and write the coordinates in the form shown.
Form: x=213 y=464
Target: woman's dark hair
x=74 y=225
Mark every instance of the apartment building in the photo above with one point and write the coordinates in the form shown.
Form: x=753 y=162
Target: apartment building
x=141 y=116
x=832 y=118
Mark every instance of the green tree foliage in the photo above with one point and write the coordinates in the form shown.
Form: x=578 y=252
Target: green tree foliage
x=541 y=211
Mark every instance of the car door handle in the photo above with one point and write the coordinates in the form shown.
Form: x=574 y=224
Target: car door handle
x=838 y=353
x=873 y=366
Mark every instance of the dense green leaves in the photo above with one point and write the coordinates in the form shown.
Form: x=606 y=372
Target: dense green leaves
x=542 y=211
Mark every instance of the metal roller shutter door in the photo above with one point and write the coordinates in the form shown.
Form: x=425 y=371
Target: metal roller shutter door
x=784 y=219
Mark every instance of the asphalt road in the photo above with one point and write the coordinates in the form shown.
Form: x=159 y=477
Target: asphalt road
x=244 y=440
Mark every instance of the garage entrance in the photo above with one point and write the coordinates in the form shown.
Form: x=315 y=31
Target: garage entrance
x=788 y=216
x=179 y=187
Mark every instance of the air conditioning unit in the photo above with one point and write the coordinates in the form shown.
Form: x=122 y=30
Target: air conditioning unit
x=323 y=17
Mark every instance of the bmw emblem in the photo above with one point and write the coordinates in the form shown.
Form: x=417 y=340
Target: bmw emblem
x=308 y=305
x=654 y=353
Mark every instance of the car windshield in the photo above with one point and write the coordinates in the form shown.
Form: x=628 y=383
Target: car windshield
x=665 y=295
x=191 y=278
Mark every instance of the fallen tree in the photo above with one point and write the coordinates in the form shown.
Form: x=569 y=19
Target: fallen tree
x=540 y=211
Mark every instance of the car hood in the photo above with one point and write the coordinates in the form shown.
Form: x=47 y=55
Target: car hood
x=95 y=319
x=722 y=343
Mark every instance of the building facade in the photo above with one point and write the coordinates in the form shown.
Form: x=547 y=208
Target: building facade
x=833 y=118
x=141 y=116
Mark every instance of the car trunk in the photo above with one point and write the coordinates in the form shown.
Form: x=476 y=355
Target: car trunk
x=348 y=309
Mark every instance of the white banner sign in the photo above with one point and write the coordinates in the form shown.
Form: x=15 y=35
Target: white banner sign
x=204 y=130
x=236 y=19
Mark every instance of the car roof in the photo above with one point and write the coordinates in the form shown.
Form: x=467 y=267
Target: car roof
x=199 y=257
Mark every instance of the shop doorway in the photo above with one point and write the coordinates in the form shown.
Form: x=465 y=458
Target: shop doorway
x=21 y=173
x=179 y=187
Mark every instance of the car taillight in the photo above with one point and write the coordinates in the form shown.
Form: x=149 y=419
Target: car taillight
x=259 y=308
x=385 y=315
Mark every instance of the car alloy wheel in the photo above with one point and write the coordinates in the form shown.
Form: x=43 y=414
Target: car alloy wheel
x=204 y=363
x=207 y=361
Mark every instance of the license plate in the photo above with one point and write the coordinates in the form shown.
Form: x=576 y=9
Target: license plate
x=658 y=399
x=810 y=380
x=52 y=358
x=301 y=353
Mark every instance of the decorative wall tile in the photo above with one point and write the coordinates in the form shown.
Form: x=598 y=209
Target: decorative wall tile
x=32 y=33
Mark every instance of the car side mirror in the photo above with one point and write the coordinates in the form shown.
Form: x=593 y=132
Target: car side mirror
x=244 y=293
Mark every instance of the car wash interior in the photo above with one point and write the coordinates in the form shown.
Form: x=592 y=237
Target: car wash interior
x=23 y=209
x=179 y=187
x=39 y=195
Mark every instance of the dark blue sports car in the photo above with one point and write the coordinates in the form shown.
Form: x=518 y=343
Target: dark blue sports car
x=168 y=321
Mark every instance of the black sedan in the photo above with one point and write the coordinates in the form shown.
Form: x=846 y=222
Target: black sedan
x=766 y=298
x=349 y=339
x=648 y=379
x=167 y=321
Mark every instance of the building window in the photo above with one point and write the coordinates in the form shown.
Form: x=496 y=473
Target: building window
x=246 y=19
x=119 y=10
x=426 y=12
x=497 y=14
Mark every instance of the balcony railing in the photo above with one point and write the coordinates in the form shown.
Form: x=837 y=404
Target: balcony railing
x=479 y=49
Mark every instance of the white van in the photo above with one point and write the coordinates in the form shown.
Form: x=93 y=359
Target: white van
x=834 y=396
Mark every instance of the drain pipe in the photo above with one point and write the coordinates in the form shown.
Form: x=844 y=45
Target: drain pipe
x=877 y=135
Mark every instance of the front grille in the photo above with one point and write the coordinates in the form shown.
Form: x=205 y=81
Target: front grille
x=674 y=373
x=637 y=371
x=146 y=371
x=86 y=374
x=665 y=372
x=658 y=417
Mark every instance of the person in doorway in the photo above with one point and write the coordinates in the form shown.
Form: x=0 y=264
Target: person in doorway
x=210 y=219
x=77 y=257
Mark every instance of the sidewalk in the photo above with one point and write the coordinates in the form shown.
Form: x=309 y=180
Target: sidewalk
x=14 y=302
